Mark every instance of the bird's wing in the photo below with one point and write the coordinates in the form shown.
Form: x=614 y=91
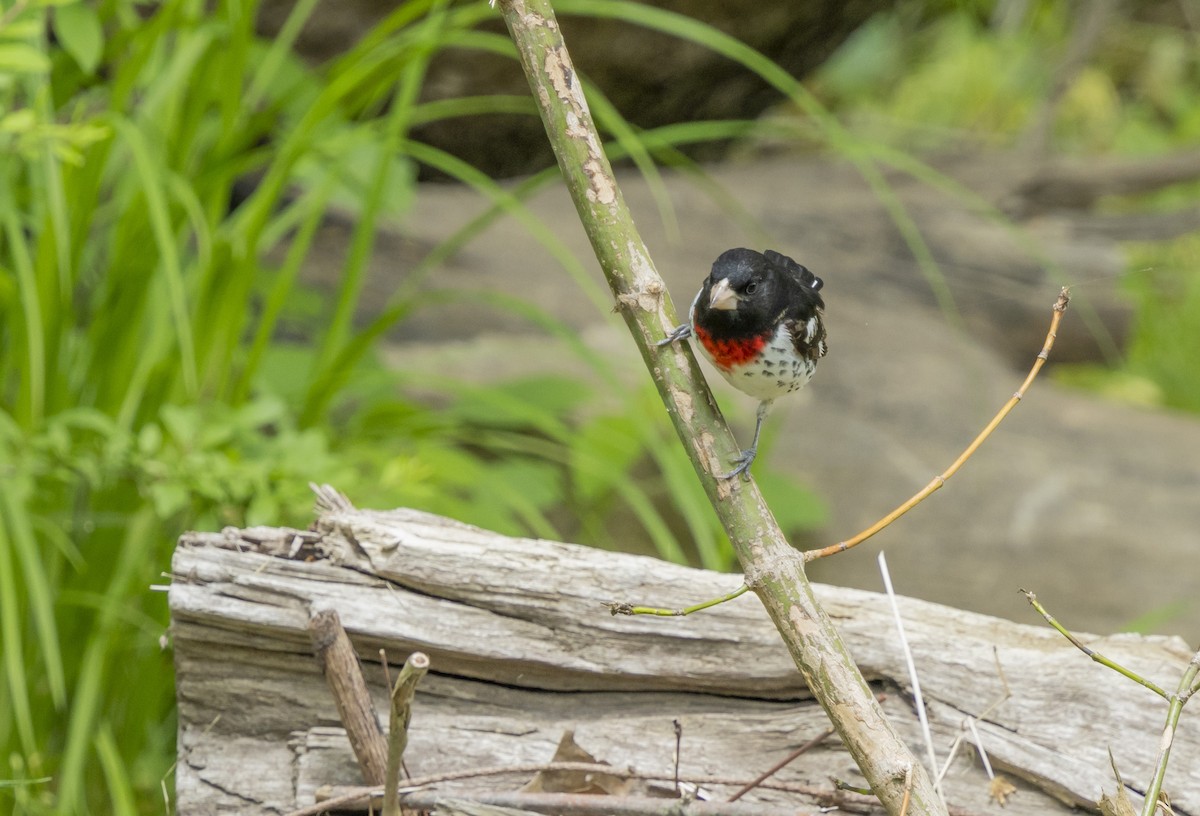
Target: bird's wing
x=808 y=335
x=796 y=273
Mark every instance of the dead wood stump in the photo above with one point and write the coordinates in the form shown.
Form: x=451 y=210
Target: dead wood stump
x=523 y=650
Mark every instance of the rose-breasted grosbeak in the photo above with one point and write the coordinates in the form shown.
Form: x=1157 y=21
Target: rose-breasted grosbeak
x=758 y=320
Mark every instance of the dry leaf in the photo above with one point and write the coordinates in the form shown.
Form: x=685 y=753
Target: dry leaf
x=1118 y=805
x=596 y=782
x=1000 y=789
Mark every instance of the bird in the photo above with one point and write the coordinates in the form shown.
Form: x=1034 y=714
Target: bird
x=758 y=318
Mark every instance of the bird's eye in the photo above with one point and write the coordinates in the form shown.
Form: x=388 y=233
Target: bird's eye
x=751 y=287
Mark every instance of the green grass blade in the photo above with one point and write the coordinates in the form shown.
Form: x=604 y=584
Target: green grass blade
x=31 y=308
x=120 y=792
x=279 y=51
x=56 y=206
x=13 y=647
x=39 y=595
x=437 y=110
x=149 y=175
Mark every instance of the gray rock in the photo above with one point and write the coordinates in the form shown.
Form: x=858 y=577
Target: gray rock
x=1091 y=504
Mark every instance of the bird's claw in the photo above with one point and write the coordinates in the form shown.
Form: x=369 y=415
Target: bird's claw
x=678 y=333
x=743 y=461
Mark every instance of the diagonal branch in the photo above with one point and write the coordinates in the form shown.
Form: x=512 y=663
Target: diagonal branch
x=1060 y=306
x=772 y=568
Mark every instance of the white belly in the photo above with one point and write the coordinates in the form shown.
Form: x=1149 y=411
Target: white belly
x=777 y=370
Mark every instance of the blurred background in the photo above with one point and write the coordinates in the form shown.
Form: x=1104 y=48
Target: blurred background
x=249 y=245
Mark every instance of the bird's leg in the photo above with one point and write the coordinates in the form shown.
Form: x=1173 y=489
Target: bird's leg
x=746 y=457
x=681 y=332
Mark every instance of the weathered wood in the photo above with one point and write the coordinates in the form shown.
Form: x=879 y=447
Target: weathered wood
x=522 y=649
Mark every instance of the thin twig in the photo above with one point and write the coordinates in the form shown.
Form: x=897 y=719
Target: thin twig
x=401 y=713
x=1092 y=653
x=339 y=665
x=922 y=715
x=908 y=777
x=383 y=664
x=575 y=804
x=678 y=750
x=618 y=608
x=844 y=798
x=783 y=763
x=1060 y=306
x=983 y=757
x=346 y=798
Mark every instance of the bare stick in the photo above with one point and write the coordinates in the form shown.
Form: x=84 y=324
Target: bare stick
x=387 y=672
x=1060 y=306
x=907 y=793
x=402 y=695
x=1093 y=654
x=618 y=608
x=576 y=804
x=339 y=663
x=913 y=679
x=678 y=750
x=771 y=567
x=342 y=798
x=843 y=799
x=783 y=763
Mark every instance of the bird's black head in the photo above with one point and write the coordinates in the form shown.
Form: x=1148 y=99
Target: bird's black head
x=748 y=289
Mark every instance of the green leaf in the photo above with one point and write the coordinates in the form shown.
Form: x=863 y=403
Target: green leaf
x=19 y=121
x=78 y=29
x=17 y=783
x=17 y=57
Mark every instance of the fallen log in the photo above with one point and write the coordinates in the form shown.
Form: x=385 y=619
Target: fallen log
x=523 y=650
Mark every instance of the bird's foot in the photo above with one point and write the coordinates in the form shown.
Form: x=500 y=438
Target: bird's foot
x=678 y=333
x=743 y=461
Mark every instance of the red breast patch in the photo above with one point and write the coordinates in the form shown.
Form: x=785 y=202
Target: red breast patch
x=726 y=354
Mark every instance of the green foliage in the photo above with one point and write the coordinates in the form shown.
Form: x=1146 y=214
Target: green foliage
x=903 y=80
x=910 y=78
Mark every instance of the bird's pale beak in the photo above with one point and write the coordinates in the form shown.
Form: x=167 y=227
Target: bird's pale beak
x=722 y=296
